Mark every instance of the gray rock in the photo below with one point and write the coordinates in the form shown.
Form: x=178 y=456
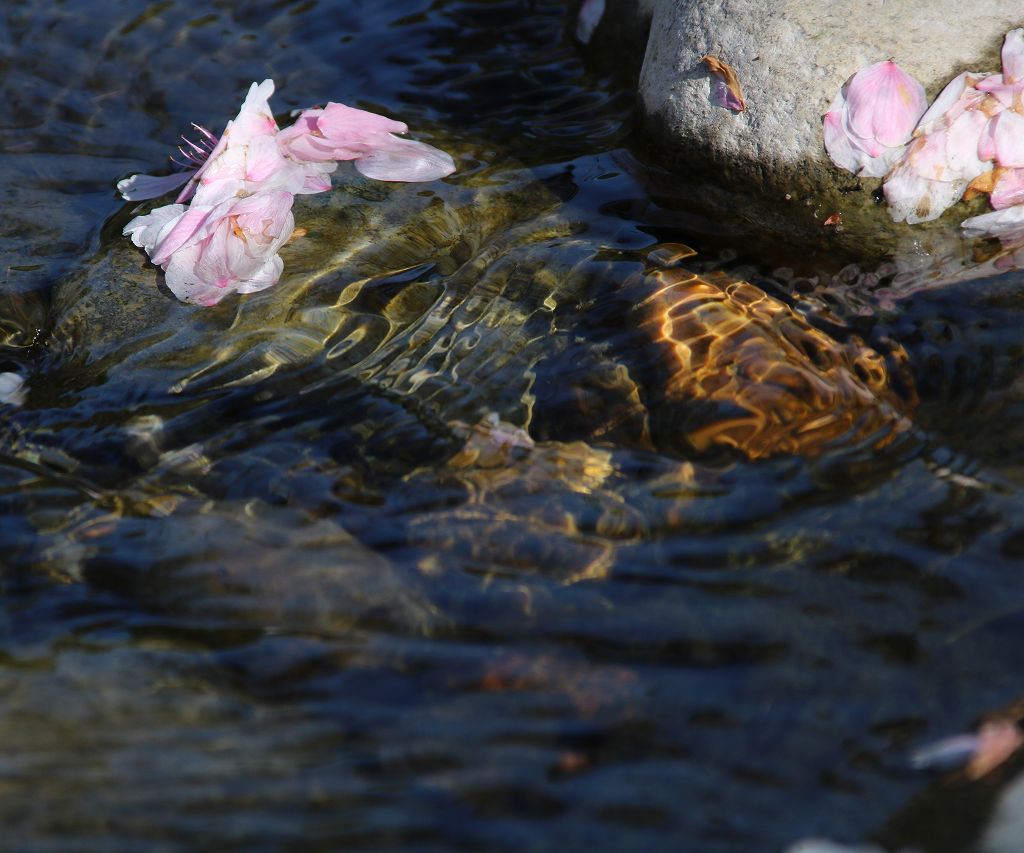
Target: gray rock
x=768 y=164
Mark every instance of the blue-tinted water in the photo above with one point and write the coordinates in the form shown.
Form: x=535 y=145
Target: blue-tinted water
x=279 y=615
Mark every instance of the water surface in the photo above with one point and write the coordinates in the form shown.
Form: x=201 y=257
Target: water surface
x=275 y=613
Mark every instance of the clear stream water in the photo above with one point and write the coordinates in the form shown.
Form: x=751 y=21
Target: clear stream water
x=284 y=628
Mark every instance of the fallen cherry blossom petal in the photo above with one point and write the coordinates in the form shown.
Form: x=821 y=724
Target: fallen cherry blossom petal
x=142 y=187
x=589 y=17
x=725 y=89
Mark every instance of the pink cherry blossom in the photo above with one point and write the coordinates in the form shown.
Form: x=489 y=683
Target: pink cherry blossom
x=225 y=168
x=208 y=252
x=243 y=184
x=952 y=146
x=872 y=117
x=339 y=132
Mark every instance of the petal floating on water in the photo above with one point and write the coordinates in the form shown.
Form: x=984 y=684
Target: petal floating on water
x=405 y=160
x=142 y=187
x=589 y=17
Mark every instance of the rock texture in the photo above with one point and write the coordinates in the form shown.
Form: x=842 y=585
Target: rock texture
x=768 y=163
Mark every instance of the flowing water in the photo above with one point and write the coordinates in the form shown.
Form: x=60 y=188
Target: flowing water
x=433 y=546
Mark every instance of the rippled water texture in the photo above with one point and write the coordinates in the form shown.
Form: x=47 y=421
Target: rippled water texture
x=504 y=521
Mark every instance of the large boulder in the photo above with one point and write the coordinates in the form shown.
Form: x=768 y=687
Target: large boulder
x=767 y=164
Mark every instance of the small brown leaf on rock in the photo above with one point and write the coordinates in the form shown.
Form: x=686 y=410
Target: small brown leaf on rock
x=728 y=92
x=984 y=183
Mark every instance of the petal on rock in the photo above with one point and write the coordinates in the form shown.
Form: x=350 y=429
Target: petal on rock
x=1008 y=189
x=589 y=17
x=317 y=177
x=1013 y=56
x=913 y=198
x=141 y=187
x=725 y=89
x=885 y=103
x=1008 y=139
x=963 y=140
x=958 y=95
x=987 y=142
x=1007 y=224
x=837 y=144
x=878 y=167
x=396 y=159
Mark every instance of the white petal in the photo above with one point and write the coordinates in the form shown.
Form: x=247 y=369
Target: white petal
x=1005 y=224
x=141 y=187
x=265 y=277
x=963 y=141
x=149 y=230
x=183 y=282
x=405 y=160
x=590 y=16
x=878 y=167
x=948 y=98
x=1013 y=56
x=12 y=389
x=837 y=144
x=914 y=199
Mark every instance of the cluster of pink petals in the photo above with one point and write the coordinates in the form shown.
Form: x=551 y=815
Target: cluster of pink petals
x=872 y=118
x=239 y=212
x=969 y=141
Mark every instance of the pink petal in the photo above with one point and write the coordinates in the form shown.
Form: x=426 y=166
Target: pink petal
x=1013 y=56
x=141 y=187
x=316 y=178
x=182 y=233
x=340 y=124
x=987 y=142
x=255 y=118
x=395 y=159
x=1008 y=139
x=589 y=17
x=723 y=96
x=885 y=103
x=1008 y=189
x=263 y=159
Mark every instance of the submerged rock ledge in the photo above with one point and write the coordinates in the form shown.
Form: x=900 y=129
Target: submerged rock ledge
x=767 y=165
